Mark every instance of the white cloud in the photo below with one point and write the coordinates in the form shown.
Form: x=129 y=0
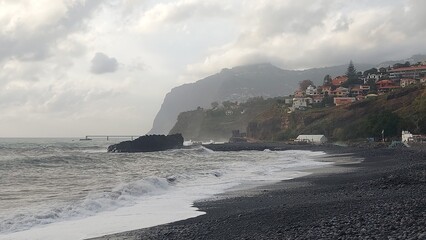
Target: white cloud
x=181 y=10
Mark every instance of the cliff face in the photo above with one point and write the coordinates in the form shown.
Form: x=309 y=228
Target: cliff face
x=217 y=124
x=236 y=84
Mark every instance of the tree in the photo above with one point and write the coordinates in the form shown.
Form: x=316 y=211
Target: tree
x=372 y=84
x=327 y=100
x=385 y=121
x=327 y=80
x=352 y=75
x=370 y=71
x=303 y=85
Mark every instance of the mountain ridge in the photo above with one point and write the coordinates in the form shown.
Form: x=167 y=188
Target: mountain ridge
x=239 y=83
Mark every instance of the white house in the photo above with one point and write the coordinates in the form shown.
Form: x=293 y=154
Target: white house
x=372 y=76
x=316 y=139
x=299 y=103
x=311 y=90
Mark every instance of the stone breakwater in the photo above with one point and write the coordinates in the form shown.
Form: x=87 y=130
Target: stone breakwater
x=261 y=146
x=382 y=197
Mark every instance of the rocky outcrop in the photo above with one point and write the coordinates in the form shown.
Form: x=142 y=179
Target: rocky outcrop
x=149 y=143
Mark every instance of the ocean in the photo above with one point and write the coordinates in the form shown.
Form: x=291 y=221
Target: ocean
x=70 y=189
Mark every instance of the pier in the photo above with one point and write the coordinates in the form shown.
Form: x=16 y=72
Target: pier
x=108 y=137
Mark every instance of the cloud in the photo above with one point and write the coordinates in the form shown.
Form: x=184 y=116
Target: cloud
x=101 y=64
x=31 y=29
x=178 y=11
x=304 y=34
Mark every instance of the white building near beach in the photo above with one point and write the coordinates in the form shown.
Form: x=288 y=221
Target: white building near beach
x=406 y=136
x=316 y=139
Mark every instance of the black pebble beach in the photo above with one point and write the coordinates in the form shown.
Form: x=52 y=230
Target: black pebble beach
x=381 y=197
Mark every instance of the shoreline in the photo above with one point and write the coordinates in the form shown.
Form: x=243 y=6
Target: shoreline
x=380 y=197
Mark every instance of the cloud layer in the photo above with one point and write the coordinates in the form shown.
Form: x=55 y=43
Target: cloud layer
x=54 y=55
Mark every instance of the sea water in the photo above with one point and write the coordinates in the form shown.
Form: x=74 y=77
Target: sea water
x=70 y=189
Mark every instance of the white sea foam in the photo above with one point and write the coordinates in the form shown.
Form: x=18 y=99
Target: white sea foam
x=121 y=196
x=194 y=174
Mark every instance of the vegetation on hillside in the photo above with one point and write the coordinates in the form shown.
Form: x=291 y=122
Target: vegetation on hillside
x=218 y=122
x=269 y=120
x=391 y=113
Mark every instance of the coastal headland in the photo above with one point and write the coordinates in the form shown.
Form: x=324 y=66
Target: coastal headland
x=380 y=197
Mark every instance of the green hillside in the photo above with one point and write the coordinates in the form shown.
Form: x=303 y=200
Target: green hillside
x=268 y=119
x=393 y=112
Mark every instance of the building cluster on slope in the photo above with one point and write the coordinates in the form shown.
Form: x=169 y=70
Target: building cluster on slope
x=371 y=83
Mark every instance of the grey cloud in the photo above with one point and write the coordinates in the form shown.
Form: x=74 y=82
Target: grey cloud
x=35 y=45
x=303 y=34
x=101 y=64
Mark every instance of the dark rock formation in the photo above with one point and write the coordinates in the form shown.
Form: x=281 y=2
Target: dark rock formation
x=149 y=143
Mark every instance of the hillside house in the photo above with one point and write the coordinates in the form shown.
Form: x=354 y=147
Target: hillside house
x=340 y=92
x=356 y=90
x=413 y=72
x=338 y=101
x=337 y=81
x=317 y=98
x=360 y=90
x=406 y=82
x=423 y=81
x=311 y=90
x=384 y=83
x=326 y=90
x=385 y=86
x=301 y=103
x=373 y=77
x=299 y=93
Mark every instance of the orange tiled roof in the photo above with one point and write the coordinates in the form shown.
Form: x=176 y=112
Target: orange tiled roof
x=384 y=81
x=339 y=80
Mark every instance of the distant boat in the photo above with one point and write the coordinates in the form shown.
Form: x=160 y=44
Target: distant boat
x=85 y=139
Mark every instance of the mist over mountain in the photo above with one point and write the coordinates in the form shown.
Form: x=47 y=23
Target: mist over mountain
x=237 y=84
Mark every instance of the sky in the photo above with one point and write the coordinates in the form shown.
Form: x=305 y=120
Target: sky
x=69 y=68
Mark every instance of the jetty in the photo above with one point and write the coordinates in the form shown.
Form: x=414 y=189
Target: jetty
x=108 y=137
